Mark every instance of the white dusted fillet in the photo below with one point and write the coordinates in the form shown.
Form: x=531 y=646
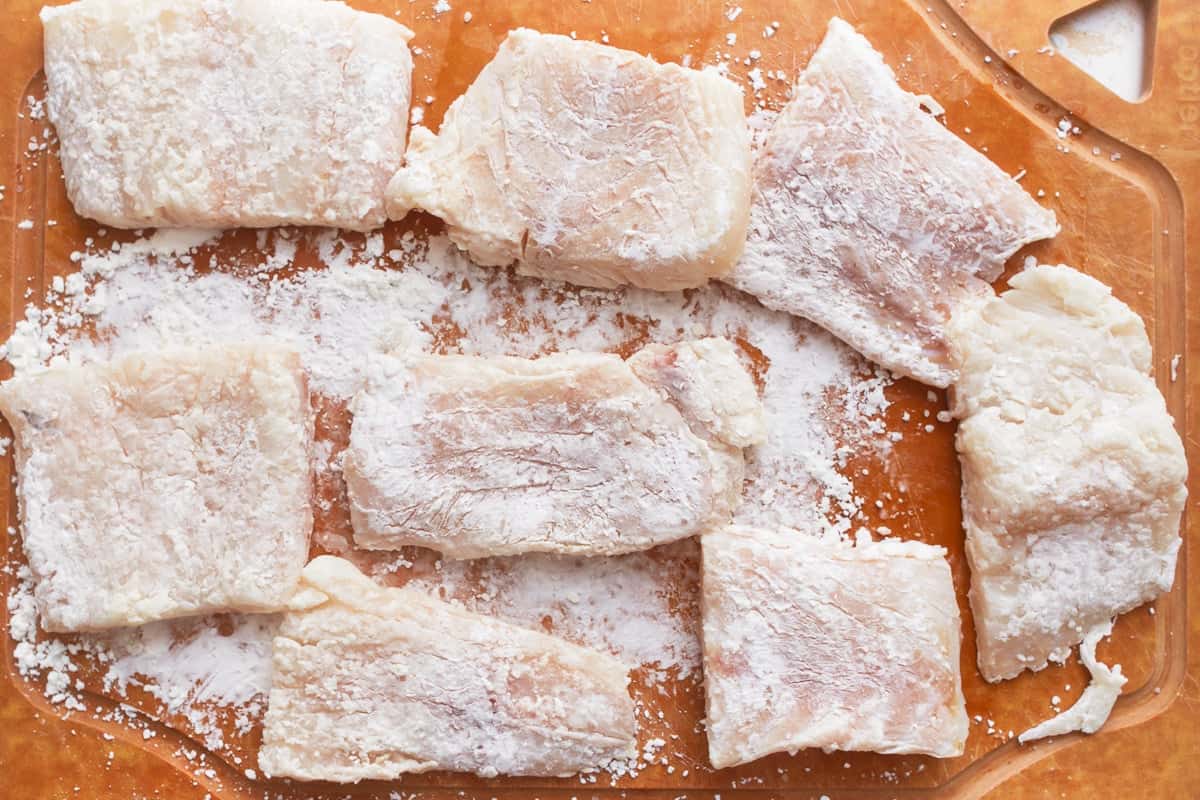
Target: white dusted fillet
x=815 y=643
x=163 y=484
x=227 y=113
x=373 y=682
x=571 y=453
x=588 y=164
x=1073 y=473
x=872 y=219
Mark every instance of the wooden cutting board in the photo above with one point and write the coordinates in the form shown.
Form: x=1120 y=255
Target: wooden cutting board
x=1124 y=190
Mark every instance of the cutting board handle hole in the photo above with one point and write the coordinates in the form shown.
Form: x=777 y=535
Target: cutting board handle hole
x=1113 y=42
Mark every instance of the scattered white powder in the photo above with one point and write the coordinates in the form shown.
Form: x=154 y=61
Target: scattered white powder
x=620 y=604
x=37 y=107
x=193 y=667
x=194 y=661
x=39 y=657
x=334 y=317
x=756 y=79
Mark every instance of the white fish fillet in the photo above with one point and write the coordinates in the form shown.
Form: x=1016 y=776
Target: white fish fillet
x=227 y=113
x=872 y=219
x=572 y=453
x=163 y=484
x=1073 y=473
x=373 y=682
x=814 y=643
x=587 y=164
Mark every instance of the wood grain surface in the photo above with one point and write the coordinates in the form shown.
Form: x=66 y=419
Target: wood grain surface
x=1130 y=221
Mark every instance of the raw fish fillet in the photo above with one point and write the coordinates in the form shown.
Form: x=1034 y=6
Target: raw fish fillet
x=587 y=164
x=815 y=643
x=705 y=381
x=873 y=220
x=373 y=682
x=1073 y=473
x=163 y=484
x=227 y=113
x=571 y=453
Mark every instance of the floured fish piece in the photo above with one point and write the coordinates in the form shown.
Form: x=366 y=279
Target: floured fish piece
x=227 y=113
x=163 y=484
x=587 y=164
x=872 y=219
x=571 y=453
x=373 y=682
x=1073 y=473
x=816 y=643
x=704 y=379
